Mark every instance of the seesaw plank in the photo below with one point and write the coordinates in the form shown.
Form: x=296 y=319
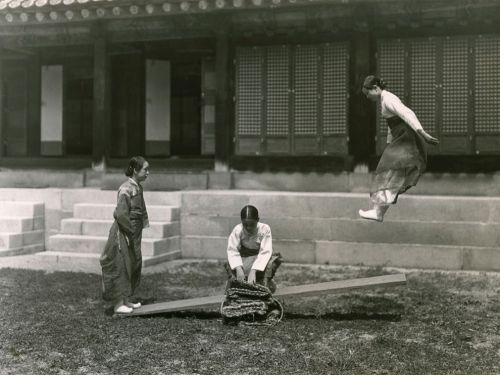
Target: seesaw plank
x=299 y=290
x=342 y=285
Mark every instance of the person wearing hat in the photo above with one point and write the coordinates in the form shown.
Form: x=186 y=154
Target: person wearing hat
x=404 y=159
x=250 y=250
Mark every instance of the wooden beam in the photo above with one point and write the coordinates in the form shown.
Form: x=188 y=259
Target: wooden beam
x=223 y=100
x=299 y=290
x=21 y=51
x=34 y=106
x=361 y=122
x=1 y=102
x=101 y=104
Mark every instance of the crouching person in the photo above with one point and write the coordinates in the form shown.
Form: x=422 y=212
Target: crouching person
x=251 y=267
x=250 y=250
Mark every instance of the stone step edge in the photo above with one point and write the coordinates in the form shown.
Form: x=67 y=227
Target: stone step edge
x=24 y=250
x=113 y=205
x=282 y=193
x=24 y=232
x=33 y=239
x=174 y=254
x=111 y=221
x=219 y=238
x=171 y=255
x=21 y=217
x=333 y=218
x=364 y=253
x=104 y=238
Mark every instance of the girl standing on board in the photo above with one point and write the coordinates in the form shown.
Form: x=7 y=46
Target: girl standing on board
x=121 y=260
x=404 y=159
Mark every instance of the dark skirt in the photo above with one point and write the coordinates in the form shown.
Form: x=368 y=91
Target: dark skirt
x=121 y=263
x=401 y=164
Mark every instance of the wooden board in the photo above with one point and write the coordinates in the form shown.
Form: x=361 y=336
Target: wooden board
x=299 y=290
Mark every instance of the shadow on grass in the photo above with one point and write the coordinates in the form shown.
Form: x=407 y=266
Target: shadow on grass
x=209 y=315
x=202 y=315
x=390 y=317
x=364 y=308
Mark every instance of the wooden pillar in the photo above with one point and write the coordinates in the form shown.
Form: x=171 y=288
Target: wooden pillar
x=1 y=102
x=34 y=105
x=223 y=101
x=101 y=112
x=362 y=114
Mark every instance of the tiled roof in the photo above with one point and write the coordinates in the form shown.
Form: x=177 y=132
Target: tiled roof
x=25 y=4
x=42 y=11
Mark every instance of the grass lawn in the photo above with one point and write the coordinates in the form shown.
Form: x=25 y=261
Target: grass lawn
x=440 y=323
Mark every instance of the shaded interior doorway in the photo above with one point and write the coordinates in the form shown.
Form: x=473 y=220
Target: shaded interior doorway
x=78 y=110
x=14 y=107
x=186 y=109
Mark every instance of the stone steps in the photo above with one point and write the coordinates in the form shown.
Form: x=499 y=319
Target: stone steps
x=360 y=253
x=357 y=230
x=340 y=205
x=95 y=211
x=89 y=262
x=82 y=238
x=22 y=229
x=23 y=250
x=451 y=232
x=101 y=228
x=17 y=240
x=95 y=244
x=21 y=209
x=14 y=224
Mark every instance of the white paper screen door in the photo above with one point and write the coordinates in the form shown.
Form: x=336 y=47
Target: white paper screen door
x=52 y=111
x=157 y=108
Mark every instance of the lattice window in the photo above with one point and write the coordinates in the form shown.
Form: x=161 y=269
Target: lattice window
x=487 y=78
x=455 y=90
x=249 y=90
x=306 y=90
x=335 y=76
x=277 y=78
x=391 y=68
x=287 y=95
x=423 y=82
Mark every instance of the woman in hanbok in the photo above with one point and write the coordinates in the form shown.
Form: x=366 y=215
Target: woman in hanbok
x=121 y=260
x=250 y=250
x=404 y=159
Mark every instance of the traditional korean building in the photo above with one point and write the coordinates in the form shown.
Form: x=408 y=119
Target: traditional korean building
x=244 y=84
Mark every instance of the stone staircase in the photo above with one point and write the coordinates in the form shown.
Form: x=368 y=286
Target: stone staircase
x=446 y=232
x=83 y=237
x=21 y=228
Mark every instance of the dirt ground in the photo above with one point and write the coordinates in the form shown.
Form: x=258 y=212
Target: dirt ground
x=439 y=323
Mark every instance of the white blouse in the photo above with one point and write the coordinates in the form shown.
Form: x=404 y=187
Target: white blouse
x=392 y=106
x=261 y=240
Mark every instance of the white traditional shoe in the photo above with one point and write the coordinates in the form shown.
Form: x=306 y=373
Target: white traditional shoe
x=370 y=215
x=123 y=310
x=134 y=305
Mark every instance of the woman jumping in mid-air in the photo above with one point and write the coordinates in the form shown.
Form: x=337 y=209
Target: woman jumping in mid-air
x=404 y=159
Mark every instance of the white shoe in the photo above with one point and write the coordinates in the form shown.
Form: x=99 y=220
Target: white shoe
x=134 y=305
x=370 y=215
x=123 y=310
